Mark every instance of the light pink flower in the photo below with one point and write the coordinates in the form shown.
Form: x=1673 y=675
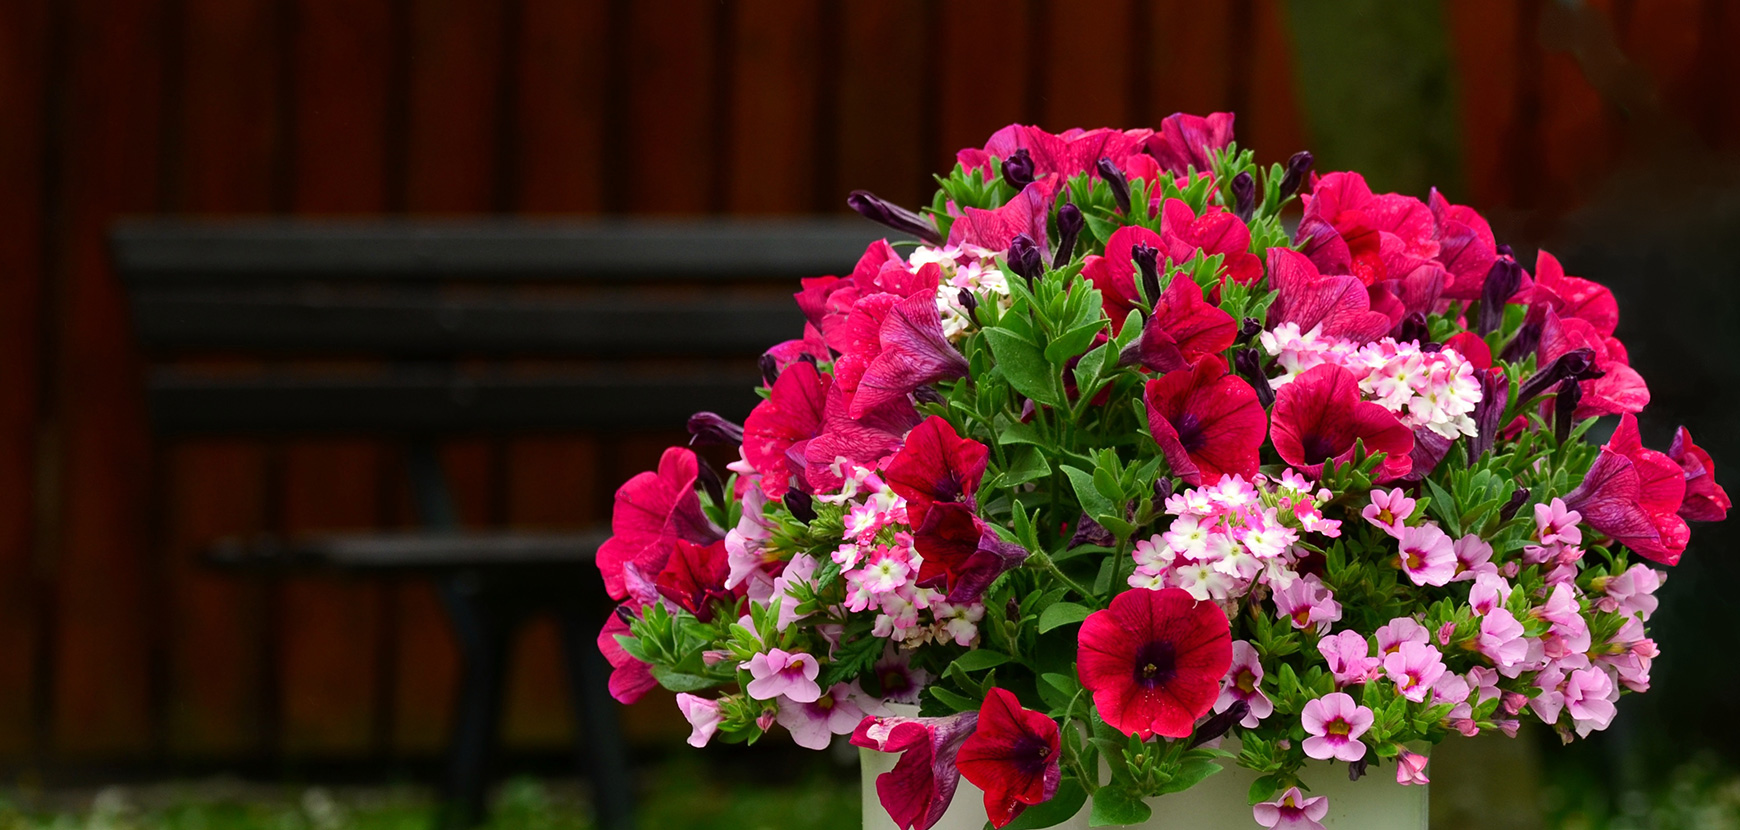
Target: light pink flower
x=1549 y=701
x=1633 y=656
x=1414 y=668
x=1349 y=658
x=801 y=570
x=1428 y=556
x=1308 y=602
x=1393 y=634
x=1473 y=558
x=813 y=725
x=703 y=716
x=1589 y=697
x=1501 y=640
x=1490 y=591
x=779 y=672
x=1244 y=682
x=1334 y=723
x=1389 y=511
x=1411 y=768
x=1556 y=524
x=1570 y=632
x=1292 y=811
x=1632 y=592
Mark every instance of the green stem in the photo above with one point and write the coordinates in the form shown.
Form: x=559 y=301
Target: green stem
x=1043 y=562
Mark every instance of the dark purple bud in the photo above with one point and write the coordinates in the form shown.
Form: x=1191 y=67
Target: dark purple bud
x=1294 y=178
x=1115 y=179
x=1147 y=259
x=1513 y=504
x=1576 y=363
x=1494 y=395
x=708 y=479
x=1012 y=609
x=1429 y=347
x=1069 y=225
x=969 y=301
x=1356 y=770
x=876 y=209
x=1251 y=328
x=626 y=614
x=1570 y=393
x=1244 y=191
x=1522 y=344
x=1018 y=169
x=1502 y=281
x=708 y=429
x=1250 y=365
x=1162 y=489
x=927 y=394
x=1413 y=329
x=1024 y=258
x=802 y=507
x=1090 y=532
x=769 y=369
x=1218 y=725
x=1505 y=251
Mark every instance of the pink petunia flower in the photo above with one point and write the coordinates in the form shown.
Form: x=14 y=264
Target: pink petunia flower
x=1243 y=682
x=1307 y=602
x=1334 y=723
x=1411 y=768
x=1414 y=667
x=1389 y=511
x=1292 y=811
x=1349 y=656
x=778 y=672
x=703 y=716
x=1428 y=556
x=813 y=725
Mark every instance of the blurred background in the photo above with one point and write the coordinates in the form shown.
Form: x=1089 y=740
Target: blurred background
x=1607 y=131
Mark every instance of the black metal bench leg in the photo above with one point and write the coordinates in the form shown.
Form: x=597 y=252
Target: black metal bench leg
x=483 y=639
x=602 y=751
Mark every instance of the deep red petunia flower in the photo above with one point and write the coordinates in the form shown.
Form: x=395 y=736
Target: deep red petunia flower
x=1062 y=155
x=1012 y=756
x=694 y=578
x=914 y=352
x=1154 y=660
x=788 y=419
x=919 y=789
x=652 y=509
x=1182 y=330
x=1570 y=297
x=1340 y=304
x=935 y=465
x=1633 y=495
x=1705 y=501
x=863 y=440
x=1346 y=229
x=1216 y=231
x=1620 y=389
x=1207 y=422
x=962 y=555
x=1186 y=141
x=1115 y=273
x=1466 y=247
x=629 y=678
x=996 y=228
x=1319 y=416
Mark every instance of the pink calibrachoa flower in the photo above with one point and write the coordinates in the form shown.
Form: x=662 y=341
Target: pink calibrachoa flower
x=1207 y=422
x=1012 y=756
x=1501 y=641
x=919 y=789
x=1705 y=500
x=1393 y=634
x=1349 y=657
x=1631 y=592
x=1556 y=524
x=1154 y=660
x=1411 y=768
x=1244 y=683
x=1569 y=633
x=1473 y=558
x=1334 y=723
x=1292 y=811
x=778 y=672
x=1588 y=695
x=1319 y=417
x=1307 y=602
x=1490 y=591
x=813 y=725
x=1414 y=668
x=703 y=716
x=1389 y=511
x=1428 y=556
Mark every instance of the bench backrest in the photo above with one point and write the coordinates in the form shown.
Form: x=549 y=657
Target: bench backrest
x=441 y=327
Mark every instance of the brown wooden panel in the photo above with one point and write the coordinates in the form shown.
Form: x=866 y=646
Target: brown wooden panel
x=1483 y=36
x=225 y=130
x=24 y=62
x=334 y=690
x=109 y=165
x=880 y=103
x=1184 y=51
x=1268 y=121
x=984 y=72
x=776 y=68
x=672 y=123
x=1579 y=127
x=1088 y=60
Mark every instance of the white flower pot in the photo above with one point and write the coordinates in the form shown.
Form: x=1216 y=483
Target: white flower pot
x=1375 y=802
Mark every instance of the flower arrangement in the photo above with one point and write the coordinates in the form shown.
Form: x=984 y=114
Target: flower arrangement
x=1109 y=466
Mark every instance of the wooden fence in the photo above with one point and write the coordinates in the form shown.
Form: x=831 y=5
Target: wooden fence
x=115 y=645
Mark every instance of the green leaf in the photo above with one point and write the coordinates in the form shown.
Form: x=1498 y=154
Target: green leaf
x=955 y=701
x=1264 y=788
x=1025 y=366
x=978 y=659
x=1061 y=614
x=1072 y=342
x=1011 y=431
x=1027 y=464
x=1092 y=503
x=1061 y=808
x=1192 y=772
x=680 y=682
x=1116 y=807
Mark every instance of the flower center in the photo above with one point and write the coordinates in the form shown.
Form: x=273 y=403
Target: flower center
x=1318 y=448
x=1189 y=429
x=1155 y=664
x=825 y=703
x=1337 y=728
x=1246 y=681
x=894 y=681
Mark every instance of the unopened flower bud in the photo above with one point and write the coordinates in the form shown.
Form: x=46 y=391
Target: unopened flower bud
x=1294 y=178
x=1024 y=258
x=1115 y=179
x=708 y=479
x=1494 y=394
x=707 y=429
x=969 y=301
x=1250 y=365
x=1413 y=329
x=1147 y=259
x=927 y=394
x=1513 y=504
x=876 y=209
x=1356 y=769
x=1244 y=192
x=769 y=369
x=1018 y=169
x=1522 y=344
x=800 y=504
x=1218 y=725
x=1502 y=281
x=1069 y=225
x=1249 y=329
x=1162 y=489
x=1565 y=402
x=1576 y=363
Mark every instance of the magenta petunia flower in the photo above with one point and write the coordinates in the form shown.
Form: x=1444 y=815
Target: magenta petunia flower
x=1337 y=305
x=1618 y=390
x=1633 y=495
x=1154 y=660
x=1012 y=756
x=1334 y=723
x=1214 y=232
x=1466 y=247
x=1572 y=297
x=1318 y=417
x=783 y=423
x=962 y=555
x=935 y=465
x=1705 y=500
x=922 y=784
x=1183 y=329
x=1115 y=273
x=703 y=717
x=629 y=678
x=779 y=672
x=1207 y=422
x=1064 y=155
x=1025 y=214
x=1374 y=237
x=863 y=440
x=652 y=509
x=1188 y=141
x=914 y=352
x=694 y=578
x=1292 y=811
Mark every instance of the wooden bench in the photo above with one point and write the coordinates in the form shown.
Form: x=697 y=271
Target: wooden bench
x=445 y=329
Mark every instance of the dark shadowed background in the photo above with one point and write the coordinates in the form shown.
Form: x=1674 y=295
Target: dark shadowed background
x=1605 y=131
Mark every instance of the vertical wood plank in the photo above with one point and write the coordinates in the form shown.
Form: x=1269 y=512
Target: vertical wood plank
x=984 y=77
x=1483 y=34
x=24 y=67
x=226 y=123
x=109 y=166
x=671 y=125
x=1087 y=78
x=881 y=95
x=1185 y=55
x=1269 y=122
x=775 y=48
